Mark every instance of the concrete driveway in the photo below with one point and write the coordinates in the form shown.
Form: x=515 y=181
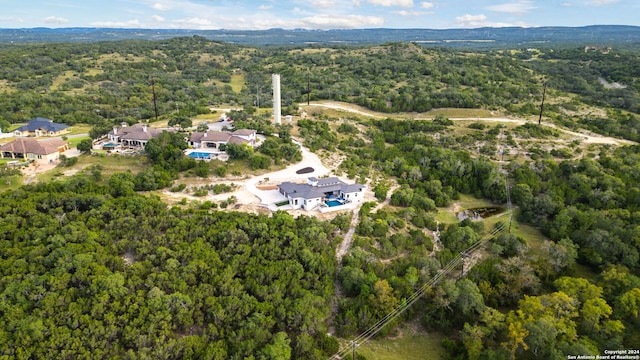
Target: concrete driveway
x=309 y=159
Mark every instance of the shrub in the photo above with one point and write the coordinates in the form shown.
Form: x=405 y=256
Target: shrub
x=178 y=188
x=67 y=161
x=477 y=126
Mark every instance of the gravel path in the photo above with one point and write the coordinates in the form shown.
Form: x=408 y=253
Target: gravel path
x=348 y=237
x=587 y=138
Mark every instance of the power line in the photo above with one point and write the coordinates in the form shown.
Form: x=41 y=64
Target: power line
x=544 y=92
x=445 y=271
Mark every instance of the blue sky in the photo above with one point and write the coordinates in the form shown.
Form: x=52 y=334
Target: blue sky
x=315 y=14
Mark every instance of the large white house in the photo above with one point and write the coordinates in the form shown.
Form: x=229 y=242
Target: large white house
x=316 y=192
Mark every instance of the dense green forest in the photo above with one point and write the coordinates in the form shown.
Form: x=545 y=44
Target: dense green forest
x=98 y=265
x=85 y=274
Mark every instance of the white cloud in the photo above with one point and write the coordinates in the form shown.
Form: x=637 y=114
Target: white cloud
x=297 y=10
x=11 y=19
x=194 y=23
x=480 y=20
x=601 y=2
x=412 y=13
x=265 y=7
x=322 y=4
x=117 y=24
x=157 y=18
x=356 y=3
x=469 y=20
x=517 y=8
x=262 y=22
x=426 y=5
x=161 y=7
x=402 y=3
x=343 y=22
x=55 y=20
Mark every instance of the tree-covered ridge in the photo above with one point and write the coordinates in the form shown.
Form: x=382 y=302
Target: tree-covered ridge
x=93 y=83
x=86 y=275
x=110 y=82
x=407 y=77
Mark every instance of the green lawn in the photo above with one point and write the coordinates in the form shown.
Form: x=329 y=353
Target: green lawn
x=470 y=202
x=409 y=346
x=443 y=216
x=79 y=129
x=237 y=82
x=113 y=163
x=110 y=165
x=73 y=142
x=447 y=216
x=531 y=235
x=10 y=182
x=15 y=126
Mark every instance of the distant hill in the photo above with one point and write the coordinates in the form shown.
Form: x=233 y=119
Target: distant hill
x=476 y=38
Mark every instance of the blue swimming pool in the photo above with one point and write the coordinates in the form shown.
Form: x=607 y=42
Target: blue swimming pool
x=200 y=155
x=332 y=203
x=110 y=145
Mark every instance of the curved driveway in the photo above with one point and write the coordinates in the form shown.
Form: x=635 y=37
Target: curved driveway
x=309 y=159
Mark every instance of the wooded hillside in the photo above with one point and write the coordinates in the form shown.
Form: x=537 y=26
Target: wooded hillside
x=96 y=264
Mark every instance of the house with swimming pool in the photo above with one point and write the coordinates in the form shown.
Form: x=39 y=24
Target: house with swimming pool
x=214 y=139
x=210 y=144
x=321 y=193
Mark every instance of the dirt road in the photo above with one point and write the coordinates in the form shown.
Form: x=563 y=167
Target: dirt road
x=588 y=138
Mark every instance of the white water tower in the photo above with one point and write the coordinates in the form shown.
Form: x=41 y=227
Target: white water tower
x=275 y=79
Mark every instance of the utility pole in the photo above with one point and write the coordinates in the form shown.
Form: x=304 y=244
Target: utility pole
x=544 y=92
x=308 y=86
x=155 y=102
x=354 y=345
